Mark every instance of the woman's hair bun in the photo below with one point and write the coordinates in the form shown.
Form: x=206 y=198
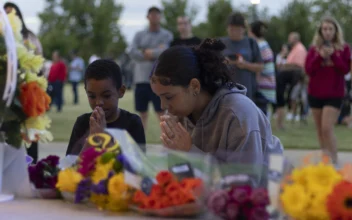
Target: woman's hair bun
x=212 y=44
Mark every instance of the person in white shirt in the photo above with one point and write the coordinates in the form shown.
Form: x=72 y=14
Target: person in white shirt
x=93 y=58
x=76 y=74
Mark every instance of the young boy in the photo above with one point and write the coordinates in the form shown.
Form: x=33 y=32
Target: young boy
x=104 y=88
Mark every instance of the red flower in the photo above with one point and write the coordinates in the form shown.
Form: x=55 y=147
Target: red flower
x=258 y=213
x=173 y=187
x=217 y=201
x=240 y=194
x=232 y=210
x=164 y=177
x=260 y=197
x=88 y=160
x=139 y=197
x=194 y=185
x=165 y=201
x=157 y=191
x=339 y=202
x=152 y=203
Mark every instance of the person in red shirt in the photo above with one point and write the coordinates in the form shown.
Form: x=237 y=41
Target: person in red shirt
x=328 y=60
x=56 y=79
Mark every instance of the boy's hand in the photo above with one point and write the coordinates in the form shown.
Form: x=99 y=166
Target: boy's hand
x=97 y=122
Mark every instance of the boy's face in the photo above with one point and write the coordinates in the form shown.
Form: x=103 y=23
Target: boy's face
x=103 y=93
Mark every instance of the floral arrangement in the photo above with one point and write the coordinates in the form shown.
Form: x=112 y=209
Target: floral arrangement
x=98 y=176
x=240 y=203
x=168 y=192
x=43 y=176
x=318 y=191
x=26 y=119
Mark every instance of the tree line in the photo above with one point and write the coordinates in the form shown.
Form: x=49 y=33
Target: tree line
x=91 y=26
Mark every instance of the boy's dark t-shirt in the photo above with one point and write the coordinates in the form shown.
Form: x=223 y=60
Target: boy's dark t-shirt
x=127 y=121
x=186 y=42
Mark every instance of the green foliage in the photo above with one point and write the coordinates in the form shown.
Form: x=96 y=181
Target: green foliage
x=90 y=26
x=174 y=9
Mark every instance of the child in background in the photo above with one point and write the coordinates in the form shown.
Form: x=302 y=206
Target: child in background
x=104 y=88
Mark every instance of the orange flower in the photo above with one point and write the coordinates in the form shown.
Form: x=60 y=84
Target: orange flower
x=177 y=198
x=194 y=185
x=165 y=201
x=35 y=101
x=152 y=203
x=173 y=187
x=339 y=202
x=164 y=177
x=157 y=191
x=139 y=197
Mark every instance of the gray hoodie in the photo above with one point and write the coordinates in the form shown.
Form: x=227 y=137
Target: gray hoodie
x=233 y=129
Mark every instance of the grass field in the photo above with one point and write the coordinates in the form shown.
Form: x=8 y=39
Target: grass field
x=295 y=136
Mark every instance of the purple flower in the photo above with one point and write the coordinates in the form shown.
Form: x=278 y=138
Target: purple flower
x=51 y=182
x=36 y=176
x=258 y=213
x=52 y=160
x=83 y=190
x=217 y=201
x=260 y=197
x=100 y=188
x=126 y=165
x=240 y=194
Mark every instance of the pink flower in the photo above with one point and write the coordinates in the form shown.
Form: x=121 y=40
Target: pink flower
x=232 y=210
x=217 y=201
x=258 y=213
x=260 y=197
x=52 y=160
x=240 y=194
x=88 y=162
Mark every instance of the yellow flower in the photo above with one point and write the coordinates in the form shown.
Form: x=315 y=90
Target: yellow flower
x=299 y=175
x=317 y=208
x=294 y=200
x=68 y=180
x=322 y=178
x=16 y=25
x=99 y=200
x=42 y=122
x=117 y=205
x=101 y=171
x=28 y=60
x=117 y=187
x=33 y=77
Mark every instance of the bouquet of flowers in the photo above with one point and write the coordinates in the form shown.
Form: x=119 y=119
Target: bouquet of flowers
x=318 y=191
x=25 y=119
x=240 y=191
x=169 y=195
x=98 y=176
x=43 y=176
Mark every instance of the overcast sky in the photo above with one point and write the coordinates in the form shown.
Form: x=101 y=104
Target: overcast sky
x=133 y=17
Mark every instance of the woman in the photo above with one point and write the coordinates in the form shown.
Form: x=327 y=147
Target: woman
x=266 y=81
x=26 y=33
x=282 y=56
x=27 y=36
x=327 y=62
x=217 y=117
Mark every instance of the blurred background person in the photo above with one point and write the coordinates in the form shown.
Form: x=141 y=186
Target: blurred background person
x=56 y=79
x=289 y=74
x=266 y=82
x=243 y=54
x=282 y=56
x=76 y=72
x=329 y=59
x=146 y=47
x=186 y=37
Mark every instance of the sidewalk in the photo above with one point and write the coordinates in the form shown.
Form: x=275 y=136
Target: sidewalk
x=295 y=156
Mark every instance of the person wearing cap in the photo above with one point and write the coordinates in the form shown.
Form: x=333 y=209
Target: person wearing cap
x=146 y=47
x=243 y=54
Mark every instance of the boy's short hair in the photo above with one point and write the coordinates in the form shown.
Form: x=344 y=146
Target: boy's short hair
x=104 y=69
x=154 y=9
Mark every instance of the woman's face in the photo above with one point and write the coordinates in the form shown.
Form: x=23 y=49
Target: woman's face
x=179 y=101
x=8 y=10
x=328 y=31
